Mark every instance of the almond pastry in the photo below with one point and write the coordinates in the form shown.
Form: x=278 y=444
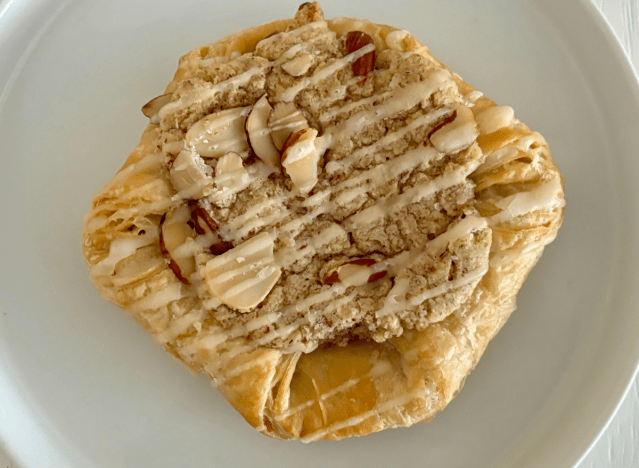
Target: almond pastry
x=327 y=222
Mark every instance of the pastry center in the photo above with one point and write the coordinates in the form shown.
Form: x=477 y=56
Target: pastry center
x=322 y=189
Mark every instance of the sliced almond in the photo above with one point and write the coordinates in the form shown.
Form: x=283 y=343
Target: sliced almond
x=355 y=40
x=259 y=134
x=300 y=158
x=355 y=273
x=174 y=232
x=205 y=226
x=230 y=173
x=242 y=277
x=219 y=133
x=152 y=108
x=284 y=120
x=190 y=175
x=220 y=247
x=456 y=135
x=173 y=147
x=203 y=222
x=299 y=65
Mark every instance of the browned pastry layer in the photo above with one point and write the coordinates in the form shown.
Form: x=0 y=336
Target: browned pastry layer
x=327 y=222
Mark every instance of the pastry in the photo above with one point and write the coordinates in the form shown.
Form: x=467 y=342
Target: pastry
x=327 y=222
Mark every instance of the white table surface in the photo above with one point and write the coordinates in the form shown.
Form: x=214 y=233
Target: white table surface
x=618 y=446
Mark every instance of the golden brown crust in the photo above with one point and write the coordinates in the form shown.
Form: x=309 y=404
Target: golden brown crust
x=332 y=392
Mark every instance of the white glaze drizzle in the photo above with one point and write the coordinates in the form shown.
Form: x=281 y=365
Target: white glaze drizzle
x=395 y=299
x=158 y=299
x=206 y=94
x=120 y=249
x=547 y=196
x=423 y=120
x=465 y=280
x=180 y=326
x=309 y=27
x=395 y=100
x=360 y=183
x=393 y=203
x=253 y=217
x=322 y=73
x=380 y=408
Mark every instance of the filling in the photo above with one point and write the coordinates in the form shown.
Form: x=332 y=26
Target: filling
x=321 y=189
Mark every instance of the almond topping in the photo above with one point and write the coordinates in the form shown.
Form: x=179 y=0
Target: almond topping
x=220 y=247
x=456 y=135
x=174 y=232
x=243 y=276
x=299 y=65
x=259 y=134
x=205 y=225
x=300 y=158
x=230 y=173
x=284 y=120
x=355 y=40
x=376 y=276
x=190 y=175
x=152 y=108
x=355 y=273
x=219 y=133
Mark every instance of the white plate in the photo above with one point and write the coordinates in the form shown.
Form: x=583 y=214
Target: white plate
x=82 y=385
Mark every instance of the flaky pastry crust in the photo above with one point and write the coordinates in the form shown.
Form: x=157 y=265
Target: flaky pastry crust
x=342 y=385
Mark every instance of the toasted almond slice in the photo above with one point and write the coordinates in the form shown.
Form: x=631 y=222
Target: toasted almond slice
x=300 y=158
x=259 y=134
x=205 y=226
x=174 y=232
x=285 y=119
x=190 y=175
x=137 y=271
x=173 y=147
x=219 y=133
x=299 y=65
x=456 y=135
x=203 y=222
x=230 y=173
x=355 y=273
x=242 y=277
x=152 y=108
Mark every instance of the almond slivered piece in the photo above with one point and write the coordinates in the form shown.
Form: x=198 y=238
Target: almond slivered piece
x=456 y=135
x=217 y=134
x=174 y=232
x=152 y=108
x=190 y=174
x=299 y=65
x=300 y=158
x=285 y=119
x=230 y=173
x=206 y=226
x=355 y=273
x=242 y=277
x=259 y=133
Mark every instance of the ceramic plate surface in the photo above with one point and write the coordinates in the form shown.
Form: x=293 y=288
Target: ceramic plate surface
x=81 y=385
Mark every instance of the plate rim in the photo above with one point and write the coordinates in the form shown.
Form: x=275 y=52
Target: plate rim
x=12 y=7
